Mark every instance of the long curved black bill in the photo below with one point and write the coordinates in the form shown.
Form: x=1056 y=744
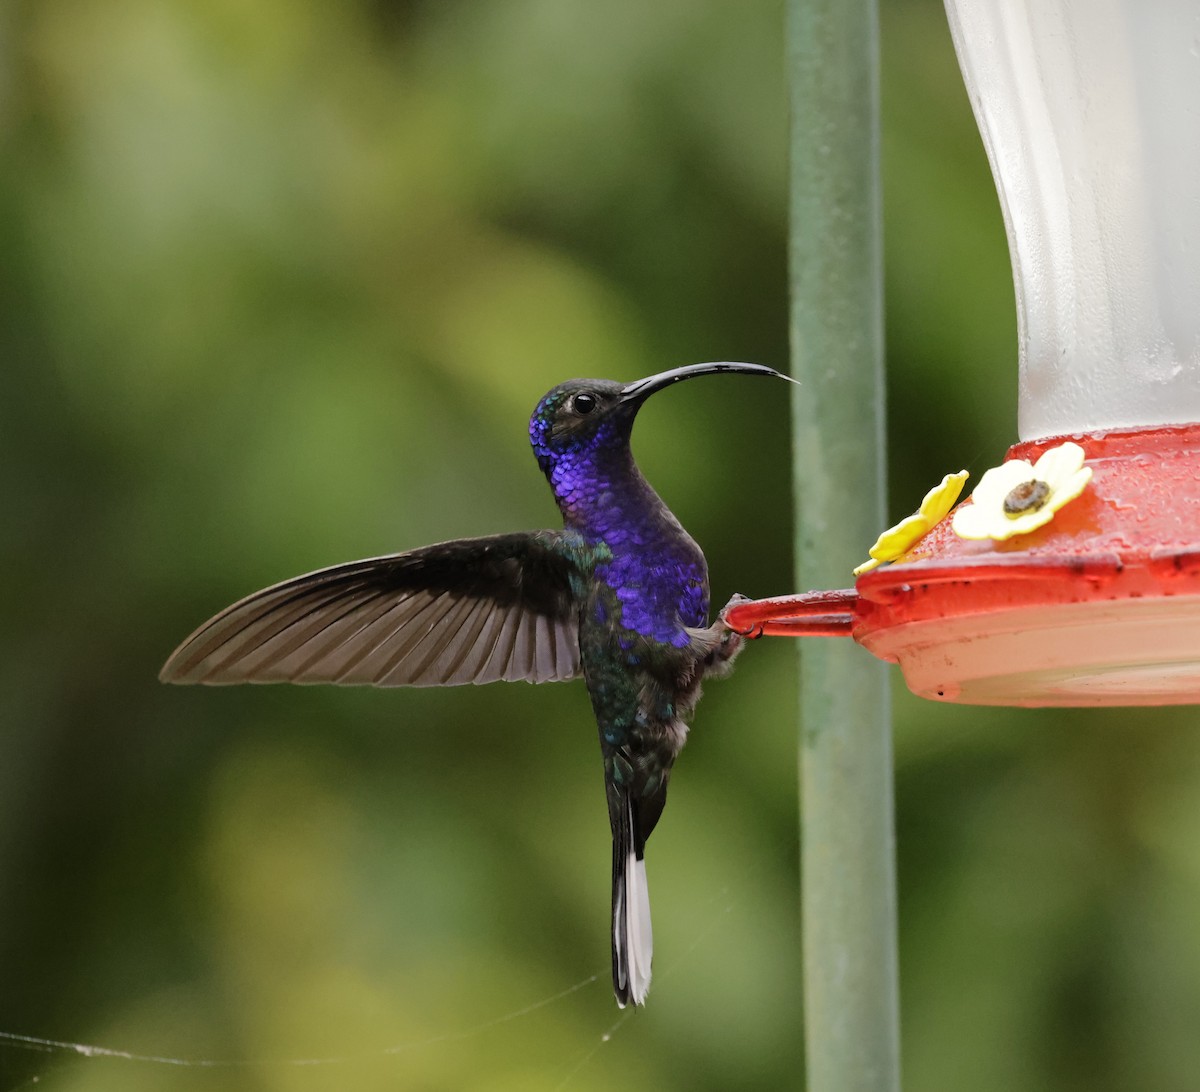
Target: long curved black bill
x=640 y=389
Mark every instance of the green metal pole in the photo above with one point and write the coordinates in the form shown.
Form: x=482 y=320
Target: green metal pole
x=848 y=864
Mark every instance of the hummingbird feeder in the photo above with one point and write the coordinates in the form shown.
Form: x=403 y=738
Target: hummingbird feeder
x=1073 y=575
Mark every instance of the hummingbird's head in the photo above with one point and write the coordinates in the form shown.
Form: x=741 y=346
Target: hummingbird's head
x=577 y=416
x=584 y=418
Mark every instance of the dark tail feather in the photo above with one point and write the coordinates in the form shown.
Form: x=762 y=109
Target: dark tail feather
x=632 y=939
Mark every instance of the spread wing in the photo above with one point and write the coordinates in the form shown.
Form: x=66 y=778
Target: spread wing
x=470 y=611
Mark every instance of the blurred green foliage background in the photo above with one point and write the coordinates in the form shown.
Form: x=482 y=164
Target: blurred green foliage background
x=279 y=285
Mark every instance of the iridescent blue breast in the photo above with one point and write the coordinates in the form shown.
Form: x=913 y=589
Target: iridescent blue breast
x=659 y=579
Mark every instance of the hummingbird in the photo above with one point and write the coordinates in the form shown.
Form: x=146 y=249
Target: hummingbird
x=619 y=596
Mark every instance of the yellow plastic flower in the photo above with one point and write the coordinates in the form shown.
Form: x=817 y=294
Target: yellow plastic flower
x=1015 y=498
x=896 y=541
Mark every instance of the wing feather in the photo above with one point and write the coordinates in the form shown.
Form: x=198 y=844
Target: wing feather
x=407 y=632
x=325 y=654
x=426 y=652
x=271 y=652
x=452 y=658
x=519 y=665
x=481 y=652
x=566 y=652
x=468 y=611
x=497 y=662
x=230 y=638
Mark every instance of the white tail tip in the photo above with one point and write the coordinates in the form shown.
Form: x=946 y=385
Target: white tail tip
x=638 y=932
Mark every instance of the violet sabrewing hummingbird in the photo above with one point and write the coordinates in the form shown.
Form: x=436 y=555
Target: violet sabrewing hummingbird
x=619 y=596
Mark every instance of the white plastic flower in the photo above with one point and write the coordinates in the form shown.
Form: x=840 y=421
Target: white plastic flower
x=1017 y=497
x=896 y=541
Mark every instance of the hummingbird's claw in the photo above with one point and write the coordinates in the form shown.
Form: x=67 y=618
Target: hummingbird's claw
x=753 y=632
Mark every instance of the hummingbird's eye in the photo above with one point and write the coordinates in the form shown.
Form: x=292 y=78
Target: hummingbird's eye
x=583 y=403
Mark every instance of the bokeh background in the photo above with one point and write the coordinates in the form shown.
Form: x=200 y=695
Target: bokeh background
x=279 y=285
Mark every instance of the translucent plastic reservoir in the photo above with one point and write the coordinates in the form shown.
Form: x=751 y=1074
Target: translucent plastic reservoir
x=1090 y=112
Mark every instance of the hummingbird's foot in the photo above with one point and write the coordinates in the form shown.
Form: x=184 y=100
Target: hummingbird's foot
x=719 y=644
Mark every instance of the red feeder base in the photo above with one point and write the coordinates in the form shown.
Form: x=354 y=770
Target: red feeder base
x=1101 y=606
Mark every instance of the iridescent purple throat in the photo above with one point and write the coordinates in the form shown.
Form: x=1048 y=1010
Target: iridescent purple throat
x=657 y=572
